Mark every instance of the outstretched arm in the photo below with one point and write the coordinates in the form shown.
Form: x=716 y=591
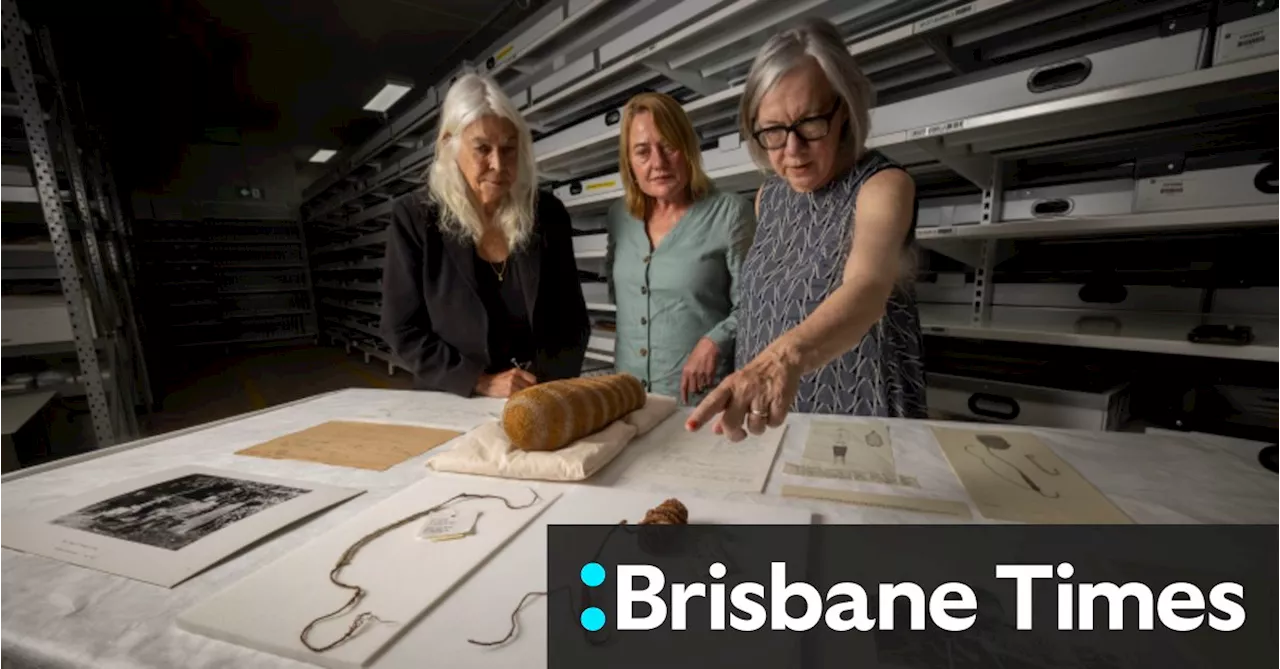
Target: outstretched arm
x=766 y=387
x=886 y=205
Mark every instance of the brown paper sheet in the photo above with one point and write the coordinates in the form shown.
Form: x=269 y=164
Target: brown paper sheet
x=1013 y=476
x=377 y=446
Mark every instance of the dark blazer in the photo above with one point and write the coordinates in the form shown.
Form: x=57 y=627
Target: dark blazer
x=432 y=316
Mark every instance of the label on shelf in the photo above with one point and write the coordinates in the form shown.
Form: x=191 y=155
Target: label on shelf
x=949 y=16
x=936 y=129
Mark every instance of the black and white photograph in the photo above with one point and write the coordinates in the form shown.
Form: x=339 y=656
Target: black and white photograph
x=166 y=527
x=175 y=513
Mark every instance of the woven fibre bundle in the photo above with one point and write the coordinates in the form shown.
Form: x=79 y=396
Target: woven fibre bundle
x=552 y=415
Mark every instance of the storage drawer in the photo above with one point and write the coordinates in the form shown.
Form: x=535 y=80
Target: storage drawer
x=31 y=319
x=595 y=292
x=730 y=152
x=941 y=212
x=17 y=175
x=602 y=342
x=1138 y=61
x=1246 y=38
x=590 y=190
x=1091 y=198
x=595 y=244
x=588 y=129
x=984 y=400
x=1241 y=185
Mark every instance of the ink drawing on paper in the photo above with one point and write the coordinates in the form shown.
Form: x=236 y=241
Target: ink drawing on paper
x=860 y=451
x=860 y=447
x=1013 y=476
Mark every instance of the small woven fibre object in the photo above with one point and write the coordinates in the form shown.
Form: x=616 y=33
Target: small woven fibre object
x=670 y=512
x=552 y=415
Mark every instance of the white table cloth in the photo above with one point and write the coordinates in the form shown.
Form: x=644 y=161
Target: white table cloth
x=59 y=615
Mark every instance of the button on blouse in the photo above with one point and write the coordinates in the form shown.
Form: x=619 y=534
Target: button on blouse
x=670 y=297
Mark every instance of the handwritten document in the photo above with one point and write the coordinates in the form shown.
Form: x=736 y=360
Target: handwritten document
x=377 y=446
x=672 y=457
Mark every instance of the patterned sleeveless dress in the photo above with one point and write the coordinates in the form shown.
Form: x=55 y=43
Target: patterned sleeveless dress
x=801 y=245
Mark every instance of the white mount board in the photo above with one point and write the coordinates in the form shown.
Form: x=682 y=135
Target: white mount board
x=165 y=527
x=404 y=576
x=481 y=607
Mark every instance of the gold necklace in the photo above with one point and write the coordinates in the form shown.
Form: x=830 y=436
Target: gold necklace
x=500 y=272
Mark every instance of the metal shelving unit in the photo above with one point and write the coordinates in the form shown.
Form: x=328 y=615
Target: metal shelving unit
x=996 y=107
x=220 y=282
x=69 y=322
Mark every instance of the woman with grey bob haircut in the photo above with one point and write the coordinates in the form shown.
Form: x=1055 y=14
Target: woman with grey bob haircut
x=827 y=319
x=480 y=290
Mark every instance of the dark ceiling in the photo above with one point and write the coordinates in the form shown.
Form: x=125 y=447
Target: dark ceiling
x=289 y=74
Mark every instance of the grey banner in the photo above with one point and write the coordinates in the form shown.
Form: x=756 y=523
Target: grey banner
x=951 y=597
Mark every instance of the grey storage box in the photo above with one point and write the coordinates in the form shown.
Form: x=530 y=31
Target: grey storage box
x=1237 y=186
x=595 y=244
x=595 y=292
x=940 y=212
x=1071 y=76
x=570 y=136
x=590 y=190
x=1089 y=198
x=1246 y=38
x=1100 y=407
x=601 y=341
x=729 y=152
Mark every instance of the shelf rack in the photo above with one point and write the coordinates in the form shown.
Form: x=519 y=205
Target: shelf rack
x=70 y=321
x=222 y=282
x=969 y=94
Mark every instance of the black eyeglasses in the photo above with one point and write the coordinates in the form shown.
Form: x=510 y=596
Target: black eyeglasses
x=808 y=129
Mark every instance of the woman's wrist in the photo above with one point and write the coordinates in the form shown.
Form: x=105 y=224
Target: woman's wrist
x=787 y=353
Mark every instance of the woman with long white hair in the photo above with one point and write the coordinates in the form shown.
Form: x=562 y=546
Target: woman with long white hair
x=480 y=291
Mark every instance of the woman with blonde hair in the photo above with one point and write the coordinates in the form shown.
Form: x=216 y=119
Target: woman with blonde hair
x=480 y=291
x=675 y=246
x=829 y=322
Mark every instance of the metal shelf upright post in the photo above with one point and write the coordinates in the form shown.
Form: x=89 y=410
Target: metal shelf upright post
x=19 y=61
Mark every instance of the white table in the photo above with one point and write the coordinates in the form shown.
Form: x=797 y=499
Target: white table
x=58 y=615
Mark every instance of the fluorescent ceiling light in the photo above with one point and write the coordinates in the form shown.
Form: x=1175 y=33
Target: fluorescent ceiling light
x=323 y=156
x=391 y=93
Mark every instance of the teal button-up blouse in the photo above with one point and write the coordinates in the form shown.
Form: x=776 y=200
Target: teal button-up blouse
x=686 y=289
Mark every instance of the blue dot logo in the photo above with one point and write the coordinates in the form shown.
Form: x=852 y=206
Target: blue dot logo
x=592 y=574
x=592 y=619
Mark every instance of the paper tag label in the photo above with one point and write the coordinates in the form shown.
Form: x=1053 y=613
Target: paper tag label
x=1168 y=192
x=449 y=524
